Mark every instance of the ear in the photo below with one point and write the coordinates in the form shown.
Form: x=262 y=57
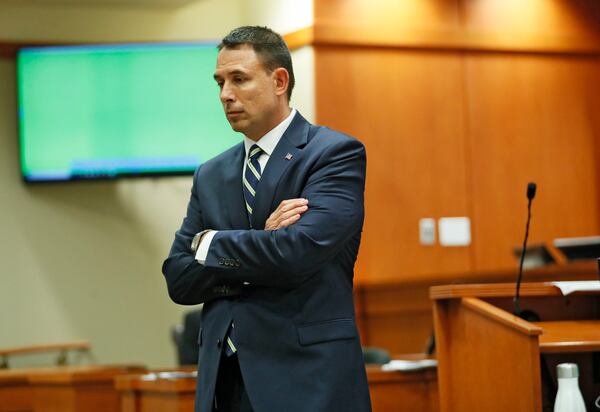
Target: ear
x=281 y=78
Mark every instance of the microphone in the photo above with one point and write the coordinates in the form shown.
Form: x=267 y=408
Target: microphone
x=526 y=314
x=531 y=188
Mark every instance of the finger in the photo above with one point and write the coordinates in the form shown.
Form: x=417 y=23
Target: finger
x=296 y=211
x=290 y=204
x=286 y=206
x=287 y=222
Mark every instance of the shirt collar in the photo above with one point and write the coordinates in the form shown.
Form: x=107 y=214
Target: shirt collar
x=268 y=142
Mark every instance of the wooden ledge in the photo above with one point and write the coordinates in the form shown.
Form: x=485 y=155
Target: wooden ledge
x=501 y=316
x=300 y=38
x=46 y=347
x=570 y=336
x=493 y=290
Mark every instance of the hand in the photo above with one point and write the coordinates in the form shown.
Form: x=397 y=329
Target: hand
x=286 y=214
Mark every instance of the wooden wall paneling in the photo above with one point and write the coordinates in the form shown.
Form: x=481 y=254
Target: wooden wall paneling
x=397 y=318
x=407 y=108
x=592 y=89
x=536 y=25
x=358 y=295
x=528 y=120
x=401 y=332
x=403 y=391
x=385 y=22
x=550 y=26
x=451 y=98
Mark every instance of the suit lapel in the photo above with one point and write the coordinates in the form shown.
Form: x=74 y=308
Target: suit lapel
x=236 y=209
x=294 y=137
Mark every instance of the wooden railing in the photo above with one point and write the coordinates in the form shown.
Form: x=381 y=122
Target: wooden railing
x=63 y=348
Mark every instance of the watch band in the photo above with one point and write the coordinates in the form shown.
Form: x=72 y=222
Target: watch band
x=197 y=239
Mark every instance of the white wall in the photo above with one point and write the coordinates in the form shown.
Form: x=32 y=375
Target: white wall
x=82 y=260
x=286 y=16
x=283 y=16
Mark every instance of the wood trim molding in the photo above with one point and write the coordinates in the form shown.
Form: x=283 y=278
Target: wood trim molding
x=300 y=38
x=501 y=316
x=492 y=290
x=577 y=270
x=456 y=40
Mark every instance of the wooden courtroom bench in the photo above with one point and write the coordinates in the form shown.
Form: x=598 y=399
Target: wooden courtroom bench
x=83 y=388
x=390 y=391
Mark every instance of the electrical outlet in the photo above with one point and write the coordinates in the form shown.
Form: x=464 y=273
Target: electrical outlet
x=427 y=231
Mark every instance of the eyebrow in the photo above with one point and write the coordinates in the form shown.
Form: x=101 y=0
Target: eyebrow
x=232 y=73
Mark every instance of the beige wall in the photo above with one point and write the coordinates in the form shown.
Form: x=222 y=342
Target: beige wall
x=286 y=16
x=82 y=260
x=50 y=21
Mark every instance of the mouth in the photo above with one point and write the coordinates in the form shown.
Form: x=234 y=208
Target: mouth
x=234 y=113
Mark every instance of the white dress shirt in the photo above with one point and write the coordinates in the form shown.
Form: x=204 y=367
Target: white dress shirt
x=267 y=143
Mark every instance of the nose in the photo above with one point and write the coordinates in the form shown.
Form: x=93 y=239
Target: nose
x=226 y=95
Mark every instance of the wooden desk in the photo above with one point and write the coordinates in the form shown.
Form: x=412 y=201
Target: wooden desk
x=403 y=391
x=85 y=388
x=396 y=314
x=489 y=359
x=155 y=393
x=390 y=392
x=15 y=392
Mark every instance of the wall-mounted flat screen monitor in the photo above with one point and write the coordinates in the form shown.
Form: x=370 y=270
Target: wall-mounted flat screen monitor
x=106 y=111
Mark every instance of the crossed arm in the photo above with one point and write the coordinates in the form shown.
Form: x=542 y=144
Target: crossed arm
x=287 y=213
x=298 y=239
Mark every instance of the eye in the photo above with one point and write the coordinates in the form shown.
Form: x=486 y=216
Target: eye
x=239 y=79
x=220 y=84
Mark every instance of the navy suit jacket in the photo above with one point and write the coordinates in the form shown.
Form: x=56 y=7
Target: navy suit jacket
x=296 y=336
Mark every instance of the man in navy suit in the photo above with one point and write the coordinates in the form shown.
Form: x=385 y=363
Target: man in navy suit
x=268 y=245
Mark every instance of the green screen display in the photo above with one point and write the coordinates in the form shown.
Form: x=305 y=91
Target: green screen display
x=113 y=110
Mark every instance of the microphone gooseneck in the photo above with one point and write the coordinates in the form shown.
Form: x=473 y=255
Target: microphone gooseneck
x=531 y=189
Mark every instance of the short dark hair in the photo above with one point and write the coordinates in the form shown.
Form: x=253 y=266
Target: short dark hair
x=268 y=45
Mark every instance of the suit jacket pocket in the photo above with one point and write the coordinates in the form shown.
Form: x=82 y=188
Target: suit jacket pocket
x=328 y=330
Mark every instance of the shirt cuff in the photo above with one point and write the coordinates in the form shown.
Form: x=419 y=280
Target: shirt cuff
x=202 y=251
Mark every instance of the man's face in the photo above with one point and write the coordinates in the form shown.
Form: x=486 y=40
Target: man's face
x=248 y=91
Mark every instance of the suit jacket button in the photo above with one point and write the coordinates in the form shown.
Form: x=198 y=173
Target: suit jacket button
x=225 y=289
x=221 y=261
x=218 y=343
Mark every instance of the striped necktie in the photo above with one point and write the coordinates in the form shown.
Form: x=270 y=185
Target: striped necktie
x=230 y=348
x=251 y=178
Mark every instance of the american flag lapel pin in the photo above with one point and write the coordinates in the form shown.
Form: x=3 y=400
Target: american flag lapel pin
x=288 y=156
